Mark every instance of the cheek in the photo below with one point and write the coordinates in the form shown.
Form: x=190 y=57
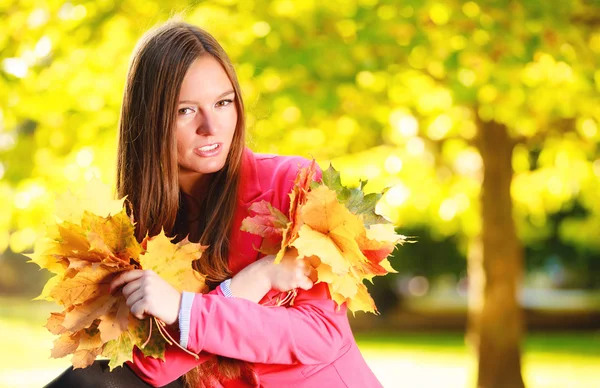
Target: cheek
x=232 y=122
x=182 y=141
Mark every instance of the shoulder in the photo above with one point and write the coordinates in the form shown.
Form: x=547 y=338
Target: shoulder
x=279 y=171
x=276 y=172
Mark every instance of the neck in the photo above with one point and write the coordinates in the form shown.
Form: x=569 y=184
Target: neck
x=194 y=186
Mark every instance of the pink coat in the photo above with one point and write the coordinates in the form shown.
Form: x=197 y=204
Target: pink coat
x=309 y=344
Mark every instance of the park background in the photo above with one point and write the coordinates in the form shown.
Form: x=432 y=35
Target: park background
x=481 y=117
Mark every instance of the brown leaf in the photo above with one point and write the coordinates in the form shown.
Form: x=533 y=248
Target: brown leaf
x=87 y=284
x=64 y=345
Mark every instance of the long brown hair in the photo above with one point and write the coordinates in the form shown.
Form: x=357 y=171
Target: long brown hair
x=147 y=168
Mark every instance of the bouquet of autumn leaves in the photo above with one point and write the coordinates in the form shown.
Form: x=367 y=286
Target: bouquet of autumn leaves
x=335 y=226
x=91 y=243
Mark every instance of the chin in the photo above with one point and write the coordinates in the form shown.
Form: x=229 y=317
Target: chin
x=210 y=168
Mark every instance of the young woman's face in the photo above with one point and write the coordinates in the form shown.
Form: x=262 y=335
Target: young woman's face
x=206 y=118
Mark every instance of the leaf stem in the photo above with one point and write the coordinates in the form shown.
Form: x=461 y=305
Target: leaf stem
x=165 y=334
x=149 y=335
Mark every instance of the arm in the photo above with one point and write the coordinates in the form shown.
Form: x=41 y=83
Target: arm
x=252 y=283
x=310 y=332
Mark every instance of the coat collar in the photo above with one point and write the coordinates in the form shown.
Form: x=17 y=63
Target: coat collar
x=250 y=187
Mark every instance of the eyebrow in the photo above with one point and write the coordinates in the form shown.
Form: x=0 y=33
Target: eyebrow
x=219 y=96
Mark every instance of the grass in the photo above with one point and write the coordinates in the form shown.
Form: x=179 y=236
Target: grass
x=557 y=360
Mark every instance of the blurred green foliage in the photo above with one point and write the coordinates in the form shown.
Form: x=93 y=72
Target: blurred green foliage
x=391 y=90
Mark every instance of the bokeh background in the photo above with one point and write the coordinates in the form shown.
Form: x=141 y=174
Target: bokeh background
x=436 y=100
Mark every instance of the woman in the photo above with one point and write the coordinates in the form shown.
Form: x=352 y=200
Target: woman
x=183 y=165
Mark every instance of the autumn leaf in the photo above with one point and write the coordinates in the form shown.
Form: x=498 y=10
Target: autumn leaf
x=298 y=197
x=86 y=251
x=64 y=345
x=354 y=199
x=339 y=227
x=112 y=235
x=96 y=198
x=173 y=262
x=115 y=321
x=119 y=350
x=85 y=285
x=265 y=220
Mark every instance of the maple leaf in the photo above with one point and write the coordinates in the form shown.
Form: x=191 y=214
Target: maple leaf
x=92 y=242
x=338 y=227
x=119 y=350
x=64 y=345
x=354 y=199
x=85 y=285
x=298 y=198
x=173 y=262
x=112 y=235
x=115 y=321
x=269 y=223
x=82 y=316
x=96 y=198
x=265 y=221
x=336 y=230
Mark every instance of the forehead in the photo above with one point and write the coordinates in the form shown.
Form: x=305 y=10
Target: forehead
x=205 y=79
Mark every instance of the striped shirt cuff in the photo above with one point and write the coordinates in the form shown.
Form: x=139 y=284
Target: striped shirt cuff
x=225 y=288
x=185 y=312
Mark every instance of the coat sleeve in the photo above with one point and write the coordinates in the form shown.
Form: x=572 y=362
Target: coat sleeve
x=176 y=363
x=310 y=332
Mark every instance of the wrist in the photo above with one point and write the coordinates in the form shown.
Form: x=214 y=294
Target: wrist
x=174 y=316
x=253 y=282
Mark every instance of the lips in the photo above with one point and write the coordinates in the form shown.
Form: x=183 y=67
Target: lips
x=208 y=150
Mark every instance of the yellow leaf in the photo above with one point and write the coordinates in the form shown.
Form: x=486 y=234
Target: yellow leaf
x=383 y=232
x=323 y=213
x=47 y=255
x=346 y=285
x=83 y=316
x=85 y=358
x=115 y=322
x=96 y=198
x=387 y=266
x=48 y=287
x=313 y=243
x=173 y=262
x=85 y=285
x=64 y=345
x=362 y=301
x=112 y=235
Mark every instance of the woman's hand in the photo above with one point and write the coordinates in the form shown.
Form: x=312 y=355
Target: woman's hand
x=258 y=278
x=149 y=294
x=291 y=272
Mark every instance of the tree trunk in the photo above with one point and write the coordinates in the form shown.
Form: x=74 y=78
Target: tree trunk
x=495 y=269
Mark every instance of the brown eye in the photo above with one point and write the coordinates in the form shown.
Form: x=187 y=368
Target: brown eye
x=223 y=103
x=185 y=111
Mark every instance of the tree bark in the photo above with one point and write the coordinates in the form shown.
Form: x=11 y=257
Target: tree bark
x=495 y=269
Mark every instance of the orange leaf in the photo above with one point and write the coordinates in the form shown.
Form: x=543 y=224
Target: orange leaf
x=83 y=316
x=115 y=321
x=85 y=285
x=265 y=220
x=65 y=344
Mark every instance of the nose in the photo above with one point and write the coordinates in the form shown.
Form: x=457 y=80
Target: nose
x=206 y=124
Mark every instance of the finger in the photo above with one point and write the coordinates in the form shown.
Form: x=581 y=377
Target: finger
x=131 y=287
x=305 y=283
x=125 y=277
x=302 y=264
x=138 y=309
x=135 y=297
